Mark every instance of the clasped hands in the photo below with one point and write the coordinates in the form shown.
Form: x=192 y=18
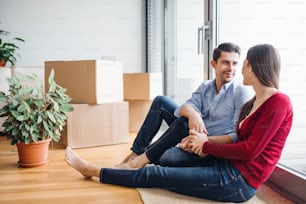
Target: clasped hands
x=193 y=143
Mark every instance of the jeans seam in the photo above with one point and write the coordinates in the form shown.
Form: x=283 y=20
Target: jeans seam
x=243 y=198
x=246 y=186
x=233 y=177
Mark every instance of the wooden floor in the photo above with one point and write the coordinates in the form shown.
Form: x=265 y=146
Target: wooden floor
x=56 y=182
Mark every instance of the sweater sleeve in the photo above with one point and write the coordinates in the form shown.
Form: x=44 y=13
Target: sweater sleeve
x=256 y=131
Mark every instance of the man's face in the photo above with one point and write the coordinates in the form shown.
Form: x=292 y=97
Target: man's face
x=226 y=66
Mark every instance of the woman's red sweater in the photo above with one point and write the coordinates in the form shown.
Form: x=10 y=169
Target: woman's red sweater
x=262 y=136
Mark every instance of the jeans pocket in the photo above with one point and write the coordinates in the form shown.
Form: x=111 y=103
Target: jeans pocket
x=235 y=196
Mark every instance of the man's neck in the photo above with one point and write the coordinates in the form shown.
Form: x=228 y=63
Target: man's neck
x=219 y=85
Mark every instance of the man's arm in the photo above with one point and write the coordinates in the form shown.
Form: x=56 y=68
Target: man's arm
x=195 y=121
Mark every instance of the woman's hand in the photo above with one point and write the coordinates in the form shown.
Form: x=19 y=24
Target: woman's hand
x=193 y=143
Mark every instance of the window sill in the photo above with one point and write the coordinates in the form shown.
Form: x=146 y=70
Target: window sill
x=288 y=183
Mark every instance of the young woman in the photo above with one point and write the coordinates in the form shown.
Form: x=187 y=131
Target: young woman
x=235 y=170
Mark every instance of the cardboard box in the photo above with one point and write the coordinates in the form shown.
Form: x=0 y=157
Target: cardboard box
x=138 y=110
x=88 y=81
x=142 y=86
x=96 y=125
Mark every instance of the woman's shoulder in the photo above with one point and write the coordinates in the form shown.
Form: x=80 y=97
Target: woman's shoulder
x=281 y=99
x=281 y=96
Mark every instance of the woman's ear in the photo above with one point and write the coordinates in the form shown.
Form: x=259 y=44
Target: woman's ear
x=249 y=67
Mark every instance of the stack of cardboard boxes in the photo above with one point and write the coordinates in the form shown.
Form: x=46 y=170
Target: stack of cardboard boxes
x=139 y=90
x=100 y=116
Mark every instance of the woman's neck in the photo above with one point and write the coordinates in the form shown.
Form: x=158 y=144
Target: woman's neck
x=262 y=93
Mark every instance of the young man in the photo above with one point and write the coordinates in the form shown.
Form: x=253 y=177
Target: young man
x=212 y=109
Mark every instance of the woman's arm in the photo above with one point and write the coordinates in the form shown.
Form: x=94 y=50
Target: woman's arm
x=271 y=119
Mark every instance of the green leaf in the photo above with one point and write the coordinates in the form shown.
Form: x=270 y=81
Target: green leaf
x=26 y=106
x=3 y=97
x=15 y=113
x=15 y=132
x=25 y=133
x=15 y=101
x=21 y=118
x=51 y=81
x=39 y=119
x=21 y=108
x=46 y=126
x=39 y=103
x=56 y=106
x=66 y=108
x=51 y=116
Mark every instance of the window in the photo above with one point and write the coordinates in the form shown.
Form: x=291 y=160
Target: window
x=280 y=23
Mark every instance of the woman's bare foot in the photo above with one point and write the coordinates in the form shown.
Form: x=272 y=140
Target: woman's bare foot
x=81 y=165
x=129 y=157
x=136 y=163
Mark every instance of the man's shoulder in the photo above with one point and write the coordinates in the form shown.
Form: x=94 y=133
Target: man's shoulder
x=238 y=89
x=238 y=85
x=207 y=84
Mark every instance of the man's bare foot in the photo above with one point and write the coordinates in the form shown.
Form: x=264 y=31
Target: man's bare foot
x=81 y=165
x=129 y=157
x=136 y=163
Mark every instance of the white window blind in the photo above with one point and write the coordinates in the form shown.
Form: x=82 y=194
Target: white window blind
x=155 y=35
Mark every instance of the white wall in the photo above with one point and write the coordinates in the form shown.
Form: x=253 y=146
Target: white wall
x=77 y=29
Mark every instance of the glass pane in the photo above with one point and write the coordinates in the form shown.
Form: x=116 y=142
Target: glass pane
x=183 y=65
x=280 y=23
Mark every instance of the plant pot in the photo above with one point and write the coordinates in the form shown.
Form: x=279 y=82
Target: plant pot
x=2 y=63
x=33 y=154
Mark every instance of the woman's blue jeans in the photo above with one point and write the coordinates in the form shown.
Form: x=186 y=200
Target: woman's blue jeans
x=220 y=181
x=209 y=178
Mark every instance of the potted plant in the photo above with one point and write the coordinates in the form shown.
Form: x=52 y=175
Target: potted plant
x=8 y=49
x=32 y=115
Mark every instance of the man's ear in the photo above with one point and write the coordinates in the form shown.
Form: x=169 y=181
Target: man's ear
x=213 y=63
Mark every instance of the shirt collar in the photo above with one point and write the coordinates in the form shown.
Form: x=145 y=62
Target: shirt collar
x=224 y=87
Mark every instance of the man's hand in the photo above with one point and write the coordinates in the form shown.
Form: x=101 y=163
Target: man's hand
x=195 y=121
x=193 y=143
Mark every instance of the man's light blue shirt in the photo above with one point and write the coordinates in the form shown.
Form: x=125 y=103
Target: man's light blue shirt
x=219 y=111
